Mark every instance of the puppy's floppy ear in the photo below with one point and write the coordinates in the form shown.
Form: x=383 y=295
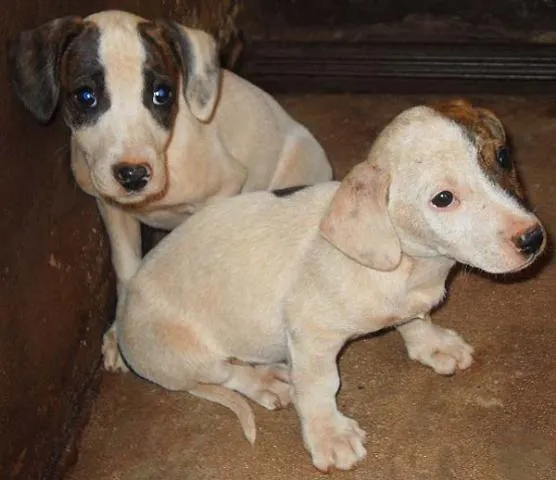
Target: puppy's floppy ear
x=198 y=55
x=357 y=220
x=492 y=122
x=34 y=63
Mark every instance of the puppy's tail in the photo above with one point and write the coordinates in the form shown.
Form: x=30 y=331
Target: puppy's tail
x=232 y=400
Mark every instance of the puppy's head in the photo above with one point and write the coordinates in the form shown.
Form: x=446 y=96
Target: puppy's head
x=119 y=81
x=439 y=181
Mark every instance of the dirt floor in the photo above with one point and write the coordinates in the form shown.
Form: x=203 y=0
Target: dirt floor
x=495 y=421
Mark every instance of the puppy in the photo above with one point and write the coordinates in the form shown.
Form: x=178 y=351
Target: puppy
x=158 y=129
x=258 y=293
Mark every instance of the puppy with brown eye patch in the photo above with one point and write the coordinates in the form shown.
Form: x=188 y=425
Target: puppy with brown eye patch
x=158 y=129
x=255 y=295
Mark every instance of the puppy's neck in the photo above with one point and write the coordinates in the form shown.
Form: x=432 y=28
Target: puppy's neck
x=427 y=270
x=413 y=247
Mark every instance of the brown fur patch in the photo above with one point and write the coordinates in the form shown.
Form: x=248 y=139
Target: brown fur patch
x=178 y=336
x=161 y=55
x=486 y=132
x=161 y=66
x=80 y=67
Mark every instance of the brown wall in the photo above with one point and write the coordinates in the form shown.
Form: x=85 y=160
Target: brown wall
x=56 y=285
x=271 y=18
x=334 y=12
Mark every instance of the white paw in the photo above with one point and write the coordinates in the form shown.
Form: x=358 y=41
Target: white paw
x=275 y=389
x=336 y=443
x=443 y=350
x=112 y=359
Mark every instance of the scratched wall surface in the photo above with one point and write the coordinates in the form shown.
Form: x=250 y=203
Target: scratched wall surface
x=56 y=283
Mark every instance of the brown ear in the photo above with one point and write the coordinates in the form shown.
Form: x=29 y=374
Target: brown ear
x=492 y=122
x=34 y=63
x=357 y=220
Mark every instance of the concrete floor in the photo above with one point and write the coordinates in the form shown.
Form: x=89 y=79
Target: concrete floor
x=495 y=421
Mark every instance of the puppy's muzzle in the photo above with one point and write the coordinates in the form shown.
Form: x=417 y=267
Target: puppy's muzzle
x=133 y=177
x=530 y=241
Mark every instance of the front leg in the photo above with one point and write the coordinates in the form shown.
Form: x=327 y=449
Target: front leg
x=332 y=439
x=439 y=348
x=124 y=232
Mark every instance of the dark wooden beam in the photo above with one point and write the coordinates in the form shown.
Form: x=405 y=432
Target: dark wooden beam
x=394 y=67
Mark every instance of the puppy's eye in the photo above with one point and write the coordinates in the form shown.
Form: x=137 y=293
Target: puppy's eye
x=162 y=95
x=503 y=158
x=86 y=97
x=443 y=199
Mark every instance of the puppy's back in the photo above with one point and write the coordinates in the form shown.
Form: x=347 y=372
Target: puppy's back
x=235 y=258
x=254 y=126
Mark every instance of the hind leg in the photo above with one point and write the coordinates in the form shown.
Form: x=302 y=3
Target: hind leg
x=267 y=385
x=179 y=357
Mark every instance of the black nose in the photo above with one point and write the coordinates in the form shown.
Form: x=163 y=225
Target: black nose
x=530 y=241
x=132 y=177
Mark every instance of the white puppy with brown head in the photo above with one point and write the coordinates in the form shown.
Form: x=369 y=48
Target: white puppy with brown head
x=158 y=129
x=260 y=292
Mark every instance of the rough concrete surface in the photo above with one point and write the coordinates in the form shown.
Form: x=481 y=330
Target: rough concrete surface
x=495 y=421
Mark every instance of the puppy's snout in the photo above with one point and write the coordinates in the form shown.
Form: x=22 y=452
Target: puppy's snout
x=530 y=241
x=133 y=177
